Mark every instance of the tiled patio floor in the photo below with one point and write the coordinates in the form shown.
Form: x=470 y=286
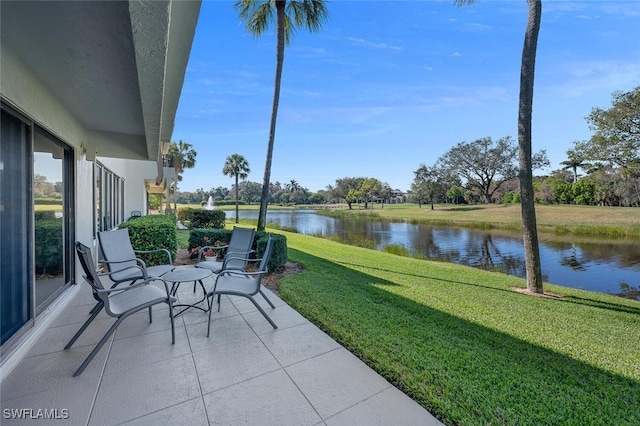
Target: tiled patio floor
x=246 y=373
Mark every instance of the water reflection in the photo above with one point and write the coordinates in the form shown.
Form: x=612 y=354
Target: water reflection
x=605 y=266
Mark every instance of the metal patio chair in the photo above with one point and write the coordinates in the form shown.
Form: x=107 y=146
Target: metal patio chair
x=119 y=256
x=242 y=283
x=118 y=302
x=237 y=255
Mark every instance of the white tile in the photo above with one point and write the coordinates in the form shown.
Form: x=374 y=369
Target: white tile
x=335 y=381
x=133 y=393
x=295 y=344
x=270 y=399
x=67 y=404
x=224 y=331
x=146 y=349
x=191 y=413
x=52 y=371
x=222 y=366
x=389 y=407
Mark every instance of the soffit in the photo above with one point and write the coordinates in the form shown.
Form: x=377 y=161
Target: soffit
x=106 y=62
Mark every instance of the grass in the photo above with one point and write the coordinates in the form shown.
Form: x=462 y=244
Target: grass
x=464 y=345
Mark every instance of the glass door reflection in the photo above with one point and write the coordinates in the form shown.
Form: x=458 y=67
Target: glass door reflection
x=49 y=198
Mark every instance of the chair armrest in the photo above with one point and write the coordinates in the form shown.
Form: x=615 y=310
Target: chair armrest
x=140 y=262
x=157 y=250
x=132 y=286
x=142 y=268
x=244 y=259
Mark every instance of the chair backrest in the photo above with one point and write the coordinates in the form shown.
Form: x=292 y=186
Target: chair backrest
x=239 y=246
x=264 y=263
x=89 y=267
x=116 y=247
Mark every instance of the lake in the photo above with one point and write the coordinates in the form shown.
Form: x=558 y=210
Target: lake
x=606 y=266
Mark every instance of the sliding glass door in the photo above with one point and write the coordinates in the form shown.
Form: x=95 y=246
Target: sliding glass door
x=36 y=221
x=51 y=194
x=15 y=226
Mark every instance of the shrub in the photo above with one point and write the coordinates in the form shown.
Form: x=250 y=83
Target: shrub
x=153 y=232
x=183 y=213
x=48 y=246
x=206 y=218
x=44 y=215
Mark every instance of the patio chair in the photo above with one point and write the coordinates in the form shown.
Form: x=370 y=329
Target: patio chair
x=118 y=302
x=244 y=284
x=237 y=255
x=119 y=256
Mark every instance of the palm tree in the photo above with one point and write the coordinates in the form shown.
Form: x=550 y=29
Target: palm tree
x=289 y=14
x=525 y=110
x=183 y=156
x=236 y=166
x=574 y=160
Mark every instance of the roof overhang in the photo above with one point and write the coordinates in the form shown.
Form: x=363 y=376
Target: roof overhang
x=117 y=66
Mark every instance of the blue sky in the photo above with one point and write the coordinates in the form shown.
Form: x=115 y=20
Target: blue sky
x=386 y=86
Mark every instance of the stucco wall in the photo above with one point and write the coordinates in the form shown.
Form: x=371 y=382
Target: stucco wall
x=21 y=89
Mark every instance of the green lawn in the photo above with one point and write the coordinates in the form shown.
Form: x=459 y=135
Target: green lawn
x=464 y=345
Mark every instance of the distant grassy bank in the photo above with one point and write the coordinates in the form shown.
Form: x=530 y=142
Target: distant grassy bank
x=556 y=219
x=464 y=345
x=552 y=219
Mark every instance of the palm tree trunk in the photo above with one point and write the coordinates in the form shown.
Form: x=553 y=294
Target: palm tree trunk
x=262 y=216
x=529 y=229
x=237 y=221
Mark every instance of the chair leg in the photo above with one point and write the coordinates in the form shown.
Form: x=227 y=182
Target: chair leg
x=95 y=350
x=267 y=299
x=264 y=314
x=96 y=306
x=209 y=322
x=150 y=315
x=94 y=312
x=173 y=328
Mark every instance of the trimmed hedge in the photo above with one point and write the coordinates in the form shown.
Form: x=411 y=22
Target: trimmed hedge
x=203 y=218
x=48 y=246
x=153 y=232
x=203 y=236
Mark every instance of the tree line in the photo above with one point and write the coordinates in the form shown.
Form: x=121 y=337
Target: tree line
x=485 y=171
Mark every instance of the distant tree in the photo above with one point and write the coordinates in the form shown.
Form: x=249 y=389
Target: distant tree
x=426 y=184
x=183 y=156
x=385 y=192
x=236 y=167
x=42 y=187
x=250 y=192
x=289 y=15
x=219 y=193
x=485 y=164
x=455 y=194
x=575 y=158
x=369 y=189
x=343 y=187
x=617 y=135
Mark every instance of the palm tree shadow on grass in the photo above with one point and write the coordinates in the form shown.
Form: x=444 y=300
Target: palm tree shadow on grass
x=562 y=299
x=460 y=371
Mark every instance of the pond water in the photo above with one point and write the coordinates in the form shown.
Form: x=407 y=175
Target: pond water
x=606 y=266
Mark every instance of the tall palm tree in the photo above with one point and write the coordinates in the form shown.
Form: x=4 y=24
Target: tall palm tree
x=183 y=156
x=237 y=167
x=525 y=110
x=574 y=160
x=289 y=15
